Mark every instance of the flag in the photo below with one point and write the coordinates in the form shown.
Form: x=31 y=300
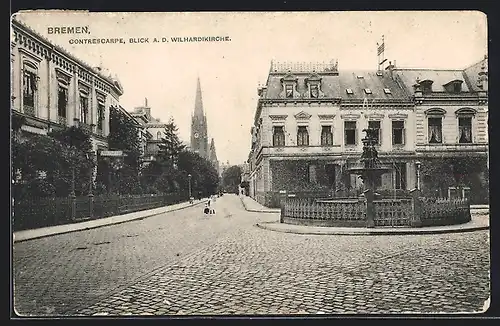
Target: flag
x=380 y=48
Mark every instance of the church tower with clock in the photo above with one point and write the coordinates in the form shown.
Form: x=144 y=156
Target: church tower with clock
x=199 y=132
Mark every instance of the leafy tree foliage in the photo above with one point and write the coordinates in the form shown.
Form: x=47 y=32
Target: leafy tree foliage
x=438 y=174
x=231 y=178
x=43 y=165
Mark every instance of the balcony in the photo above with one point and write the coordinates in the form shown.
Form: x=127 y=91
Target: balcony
x=451 y=147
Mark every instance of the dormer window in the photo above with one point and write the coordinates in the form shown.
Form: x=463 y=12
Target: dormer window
x=289 y=91
x=426 y=86
x=387 y=91
x=349 y=91
x=314 y=91
x=455 y=86
x=368 y=91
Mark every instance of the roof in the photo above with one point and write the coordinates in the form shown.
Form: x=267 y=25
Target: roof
x=336 y=85
x=113 y=80
x=439 y=77
x=472 y=73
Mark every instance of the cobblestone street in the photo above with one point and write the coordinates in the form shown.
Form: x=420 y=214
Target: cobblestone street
x=184 y=263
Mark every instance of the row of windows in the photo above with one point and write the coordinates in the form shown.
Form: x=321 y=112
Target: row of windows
x=350 y=134
x=435 y=131
x=30 y=93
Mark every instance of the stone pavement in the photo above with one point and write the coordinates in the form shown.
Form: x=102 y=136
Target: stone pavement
x=91 y=224
x=252 y=205
x=185 y=263
x=478 y=222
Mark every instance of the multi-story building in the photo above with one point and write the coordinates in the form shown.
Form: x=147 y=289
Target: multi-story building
x=309 y=119
x=154 y=127
x=53 y=89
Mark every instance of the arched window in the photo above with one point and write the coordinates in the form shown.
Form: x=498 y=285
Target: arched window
x=435 y=125
x=158 y=135
x=465 y=116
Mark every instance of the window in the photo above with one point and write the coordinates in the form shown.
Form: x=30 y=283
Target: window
x=435 y=130
x=349 y=91
x=350 y=132
x=289 y=91
x=398 y=132
x=368 y=91
x=426 y=86
x=278 y=136
x=330 y=172
x=387 y=91
x=465 y=130
x=158 y=135
x=84 y=108
x=375 y=125
x=30 y=80
x=302 y=136
x=314 y=91
x=62 y=101
x=100 y=115
x=326 y=136
x=400 y=171
x=457 y=87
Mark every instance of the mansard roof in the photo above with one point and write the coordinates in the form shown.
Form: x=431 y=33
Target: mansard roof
x=439 y=78
x=47 y=46
x=334 y=85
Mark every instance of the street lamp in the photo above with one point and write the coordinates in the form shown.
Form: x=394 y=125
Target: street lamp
x=189 y=183
x=418 y=164
x=91 y=195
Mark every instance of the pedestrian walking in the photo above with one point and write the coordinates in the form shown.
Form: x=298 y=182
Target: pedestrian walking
x=212 y=204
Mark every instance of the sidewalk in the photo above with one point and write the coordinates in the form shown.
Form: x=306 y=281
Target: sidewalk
x=478 y=222
x=253 y=206
x=92 y=224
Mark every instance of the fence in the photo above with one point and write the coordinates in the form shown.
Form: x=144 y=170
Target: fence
x=415 y=211
x=42 y=212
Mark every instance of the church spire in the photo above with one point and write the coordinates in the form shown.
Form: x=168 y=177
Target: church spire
x=198 y=103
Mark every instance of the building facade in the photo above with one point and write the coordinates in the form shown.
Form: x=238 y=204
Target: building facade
x=310 y=116
x=51 y=88
x=155 y=129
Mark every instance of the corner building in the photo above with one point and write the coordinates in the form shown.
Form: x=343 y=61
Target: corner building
x=53 y=89
x=308 y=128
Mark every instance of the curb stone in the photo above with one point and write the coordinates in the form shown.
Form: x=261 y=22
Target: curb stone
x=418 y=231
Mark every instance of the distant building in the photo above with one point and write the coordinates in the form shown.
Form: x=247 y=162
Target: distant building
x=199 y=131
x=199 y=128
x=309 y=119
x=51 y=88
x=155 y=127
x=213 y=156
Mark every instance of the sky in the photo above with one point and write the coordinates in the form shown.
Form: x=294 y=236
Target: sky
x=231 y=71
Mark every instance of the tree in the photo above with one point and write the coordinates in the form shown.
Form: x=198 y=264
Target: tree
x=124 y=135
x=170 y=146
x=231 y=178
x=438 y=174
x=204 y=177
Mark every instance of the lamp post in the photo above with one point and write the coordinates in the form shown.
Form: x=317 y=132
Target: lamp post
x=91 y=195
x=418 y=164
x=72 y=194
x=189 y=184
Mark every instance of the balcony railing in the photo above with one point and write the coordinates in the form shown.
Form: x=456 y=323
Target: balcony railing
x=29 y=110
x=62 y=120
